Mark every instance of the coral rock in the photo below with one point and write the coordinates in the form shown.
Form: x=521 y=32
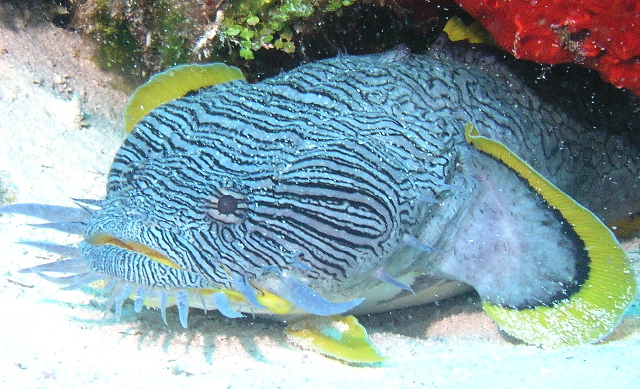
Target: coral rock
x=604 y=36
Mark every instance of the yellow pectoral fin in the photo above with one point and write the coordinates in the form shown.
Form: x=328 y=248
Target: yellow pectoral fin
x=596 y=308
x=340 y=337
x=173 y=84
x=275 y=304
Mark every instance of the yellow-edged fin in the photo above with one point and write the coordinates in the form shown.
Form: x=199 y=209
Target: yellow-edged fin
x=273 y=303
x=456 y=30
x=596 y=308
x=173 y=84
x=340 y=337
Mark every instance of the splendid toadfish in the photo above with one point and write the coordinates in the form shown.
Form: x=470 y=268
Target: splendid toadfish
x=354 y=185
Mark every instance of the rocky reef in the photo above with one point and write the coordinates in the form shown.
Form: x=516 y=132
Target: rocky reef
x=604 y=36
x=261 y=36
x=264 y=37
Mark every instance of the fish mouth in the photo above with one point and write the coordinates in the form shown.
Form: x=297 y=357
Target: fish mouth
x=102 y=239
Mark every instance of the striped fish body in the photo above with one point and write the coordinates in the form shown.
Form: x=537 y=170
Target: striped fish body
x=321 y=175
x=292 y=177
x=351 y=185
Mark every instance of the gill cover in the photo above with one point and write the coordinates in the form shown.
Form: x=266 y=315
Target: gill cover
x=596 y=308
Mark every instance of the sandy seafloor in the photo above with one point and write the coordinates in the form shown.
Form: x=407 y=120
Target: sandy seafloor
x=59 y=129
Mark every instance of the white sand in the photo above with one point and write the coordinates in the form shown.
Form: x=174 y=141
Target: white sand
x=59 y=129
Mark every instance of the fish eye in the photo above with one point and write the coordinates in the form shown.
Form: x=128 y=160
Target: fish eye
x=227 y=204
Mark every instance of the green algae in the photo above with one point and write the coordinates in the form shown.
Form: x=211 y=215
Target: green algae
x=117 y=48
x=148 y=36
x=262 y=37
x=255 y=24
x=174 y=44
x=166 y=28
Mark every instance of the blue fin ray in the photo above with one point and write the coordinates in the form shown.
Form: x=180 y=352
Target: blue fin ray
x=119 y=299
x=164 y=296
x=383 y=276
x=76 y=228
x=66 y=251
x=182 y=301
x=222 y=303
x=52 y=213
x=412 y=241
x=427 y=199
x=300 y=295
x=72 y=265
x=138 y=300
x=82 y=280
x=88 y=202
x=242 y=285
x=115 y=290
x=62 y=280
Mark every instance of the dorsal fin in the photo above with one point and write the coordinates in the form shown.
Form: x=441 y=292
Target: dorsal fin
x=173 y=84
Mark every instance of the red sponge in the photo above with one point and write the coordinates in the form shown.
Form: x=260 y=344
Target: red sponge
x=602 y=35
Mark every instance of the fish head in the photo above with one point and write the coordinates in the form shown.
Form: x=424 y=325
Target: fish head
x=225 y=205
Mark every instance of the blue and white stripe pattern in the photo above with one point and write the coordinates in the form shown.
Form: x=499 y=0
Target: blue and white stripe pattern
x=318 y=185
x=322 y=182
